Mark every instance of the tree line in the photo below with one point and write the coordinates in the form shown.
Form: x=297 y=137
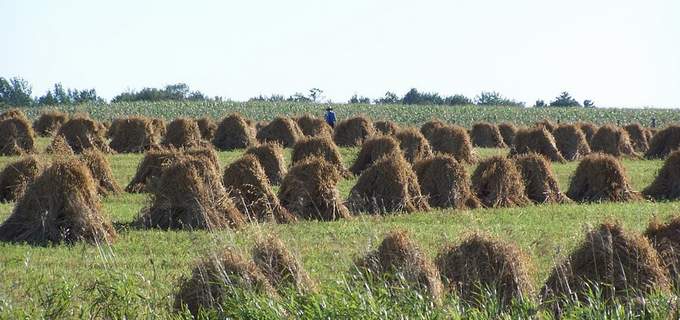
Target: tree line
x=17 y=92
x=486 y=98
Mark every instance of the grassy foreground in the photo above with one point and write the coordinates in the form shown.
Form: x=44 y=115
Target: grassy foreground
x=137 y=276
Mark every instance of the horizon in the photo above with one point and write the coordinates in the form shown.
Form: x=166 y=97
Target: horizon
x=617 y=53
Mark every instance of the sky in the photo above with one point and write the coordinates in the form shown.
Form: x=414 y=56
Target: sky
x=618 y=53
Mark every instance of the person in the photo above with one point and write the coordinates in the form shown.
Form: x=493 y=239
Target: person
x=330 y=117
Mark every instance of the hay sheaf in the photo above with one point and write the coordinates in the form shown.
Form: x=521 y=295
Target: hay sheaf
x=13 y=113
x=82 y=133
x=280 y=266
x=259 y=125
x=353 y=132
x=16 y=137
x=455 y=141
x=310 y=192
x=487 y=135
x=150 y=168
x=600 y=177
x=374 y=149
x=666 y=185
x=389 y=185
x=482 y=264
x=623 y=265
x=49 y=122
x=270 y=156
x=159 y=126
x=613 y=140
x=547 y=125
x=101 y=172
x=323 y=147
x=189 y=195
x=183 y=133
x=649 y=133
x=508 y=132
x=386 y=127
x=538 y=140
x=445 y=183
x=234 y=133
x=218 y=277
x=588 y=129
x=665 y=237
x=248 y=186
x=134 y=134
x=540 y=184
x=60 y=206
x=283 y=131
x=428 y=128
x=638 y=137
x=16 y=176
x=112 y=128
x=498 y=183
x=207 y=154
x=413 y=145
x=207 y=127
x=664 y=142
x=571 y=142
x=59 y=146
x=400 y=261
x=314 y=127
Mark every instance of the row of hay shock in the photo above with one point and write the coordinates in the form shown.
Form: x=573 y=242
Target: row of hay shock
x=497 y=181
x=60 y=205
x=623 y=265
x=285 y=131
x=273 y=270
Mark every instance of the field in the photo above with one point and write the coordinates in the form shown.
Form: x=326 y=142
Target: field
x=137 y=276
x=404 y=114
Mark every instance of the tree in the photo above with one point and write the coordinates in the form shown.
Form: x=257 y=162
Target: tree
x=315 y=93
x=15 y=92
x=539 y=104
x=357 y=99
x=457 y=100
x=298 y=97
x=389 y=98
x=177 y=92
x=197 y=96
x=565 y=100
x=415 y=97
x=59 y=96
x=47 y=100
x=493 y=98
x=588 y=104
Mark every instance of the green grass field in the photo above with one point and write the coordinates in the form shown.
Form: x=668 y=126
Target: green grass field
x=137 y=276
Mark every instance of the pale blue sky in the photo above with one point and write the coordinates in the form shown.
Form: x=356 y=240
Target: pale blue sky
x=615 y=52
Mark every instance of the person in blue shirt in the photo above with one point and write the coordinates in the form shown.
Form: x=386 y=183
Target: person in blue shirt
x=330 y=117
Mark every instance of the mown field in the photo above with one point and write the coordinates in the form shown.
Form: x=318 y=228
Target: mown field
x=403 y=114
x=137 y=276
